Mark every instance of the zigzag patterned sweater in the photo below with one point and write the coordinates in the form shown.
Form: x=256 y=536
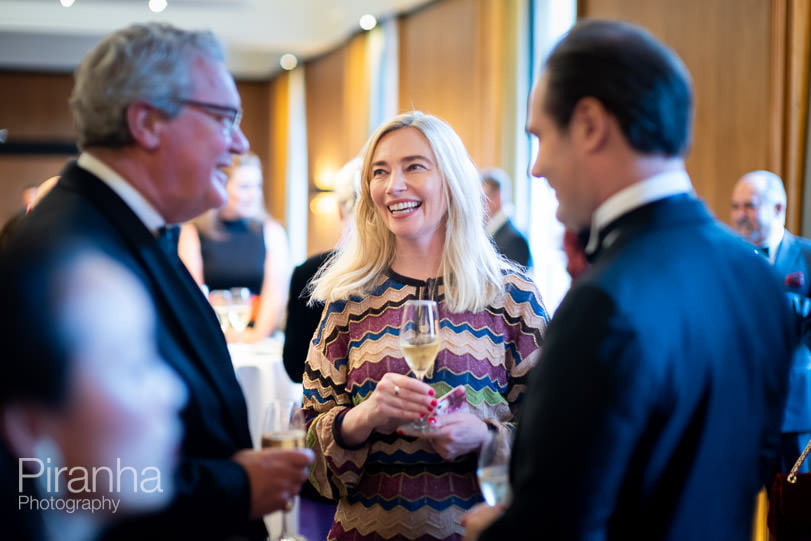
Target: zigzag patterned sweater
x=397 y=487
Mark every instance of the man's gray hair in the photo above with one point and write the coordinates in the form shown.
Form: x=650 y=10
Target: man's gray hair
x=144 y=62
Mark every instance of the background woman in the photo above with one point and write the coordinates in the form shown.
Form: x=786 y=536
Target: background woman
x=240 y=245
x=418 y=234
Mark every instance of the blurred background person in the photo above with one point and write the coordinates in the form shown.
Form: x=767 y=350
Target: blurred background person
x=27 y=195
x=509 y=240
x=302 y=315
x=34 y=196
x=241 y=245
x=759 y=216
x=83 y=387
x=418 y=235
x=316 y=511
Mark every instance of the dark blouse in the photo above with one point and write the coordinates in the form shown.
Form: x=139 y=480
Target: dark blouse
x=237 y=259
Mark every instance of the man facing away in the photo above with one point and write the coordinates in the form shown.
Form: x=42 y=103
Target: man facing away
x=157 y=116
x=510 y=242
x=759 y=216
x=655 y=408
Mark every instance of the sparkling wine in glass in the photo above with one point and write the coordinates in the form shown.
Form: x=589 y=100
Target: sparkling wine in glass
x=419 y=340
x=494 y=468
x=220 y=300
x=283 y=428
x=239 y=314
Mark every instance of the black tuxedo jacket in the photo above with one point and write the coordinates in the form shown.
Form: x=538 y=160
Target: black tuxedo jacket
x=655 y=408
x=213 y=498
x=512 y=244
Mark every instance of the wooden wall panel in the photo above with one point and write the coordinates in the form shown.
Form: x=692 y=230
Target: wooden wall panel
x=276 y=165
x=726 y=46
x=35 y=105
x=337 y=104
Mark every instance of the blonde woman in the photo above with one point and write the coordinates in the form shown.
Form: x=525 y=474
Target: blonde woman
x=418 y=233
x=240 y=245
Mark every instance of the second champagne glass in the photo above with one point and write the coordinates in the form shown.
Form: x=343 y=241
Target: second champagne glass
x=494 y=469
x=419 y=340
x=284 y=428
x=220 y=300
x=240 y=313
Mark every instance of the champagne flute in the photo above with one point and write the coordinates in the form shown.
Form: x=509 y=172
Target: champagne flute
x=494 y=468
x=284 y=428
x=239 y=315
x=220 y=300
x=419 y=340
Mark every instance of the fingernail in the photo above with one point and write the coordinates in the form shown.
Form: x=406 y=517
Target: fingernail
x=399 y=432
x=422 y=415
x=432 y=420
x=433 y=402
x=430 y=409
x=431 y=392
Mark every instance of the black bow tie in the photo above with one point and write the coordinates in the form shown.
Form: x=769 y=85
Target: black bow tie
x=168 y=236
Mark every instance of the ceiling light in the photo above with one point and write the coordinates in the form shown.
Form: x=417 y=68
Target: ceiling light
x=367 y=22
x=66 y=3
x=157 y=5
x=288 y=61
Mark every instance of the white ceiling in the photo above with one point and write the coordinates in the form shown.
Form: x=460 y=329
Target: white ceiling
x=43 y=35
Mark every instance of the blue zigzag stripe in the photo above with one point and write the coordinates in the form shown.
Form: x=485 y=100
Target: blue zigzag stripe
x=388 y=505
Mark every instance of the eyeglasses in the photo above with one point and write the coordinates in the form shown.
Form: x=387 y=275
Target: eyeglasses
x=229 y=117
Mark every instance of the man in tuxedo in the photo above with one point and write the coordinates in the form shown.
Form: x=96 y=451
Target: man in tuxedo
x=759 y=215
x=510 y=242
x=654 y=410
x=157 y=116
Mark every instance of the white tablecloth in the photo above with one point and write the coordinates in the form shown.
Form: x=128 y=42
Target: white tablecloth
x=263 y=378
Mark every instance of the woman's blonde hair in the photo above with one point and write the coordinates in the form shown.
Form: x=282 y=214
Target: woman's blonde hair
x=470 y=266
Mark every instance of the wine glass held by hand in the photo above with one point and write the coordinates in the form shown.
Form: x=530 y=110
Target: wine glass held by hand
x=493 y=469
x=284 y=428
x=419 y=340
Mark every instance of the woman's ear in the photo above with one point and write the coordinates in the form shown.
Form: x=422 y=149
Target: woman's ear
x=145 y=124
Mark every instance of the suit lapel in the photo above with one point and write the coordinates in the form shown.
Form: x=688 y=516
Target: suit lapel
x=199 y=333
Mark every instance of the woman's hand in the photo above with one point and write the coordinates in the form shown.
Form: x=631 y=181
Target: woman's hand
x=459 y=434
x=396 y=399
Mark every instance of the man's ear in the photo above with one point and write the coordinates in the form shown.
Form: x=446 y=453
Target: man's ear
x=145 y=124
x=590 y=123
x=21 y=428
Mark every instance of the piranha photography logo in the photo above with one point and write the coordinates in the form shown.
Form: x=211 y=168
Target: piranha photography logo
x=97 y=489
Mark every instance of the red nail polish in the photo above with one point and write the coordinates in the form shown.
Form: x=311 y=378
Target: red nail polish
x=430 y=409
x=399 y=432
x=431 y=420
x=431 y=392
x=422 y=415
x=433 y=402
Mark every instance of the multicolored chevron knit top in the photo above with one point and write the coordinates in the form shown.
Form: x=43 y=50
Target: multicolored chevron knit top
x=397 y=487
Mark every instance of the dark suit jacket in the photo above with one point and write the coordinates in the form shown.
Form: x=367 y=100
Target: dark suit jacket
x=301 y=318
x=213 y=498
x=792 y=263
x=654 y=411
x=512 y=244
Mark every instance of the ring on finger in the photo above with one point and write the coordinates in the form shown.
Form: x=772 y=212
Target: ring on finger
x=396 y=390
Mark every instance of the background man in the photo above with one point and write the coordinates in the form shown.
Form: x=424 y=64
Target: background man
x=157 y=116
x=759 y=215
x=655 y=407
x=509 y=240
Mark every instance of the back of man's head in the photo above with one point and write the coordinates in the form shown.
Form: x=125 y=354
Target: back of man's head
x=638 y=79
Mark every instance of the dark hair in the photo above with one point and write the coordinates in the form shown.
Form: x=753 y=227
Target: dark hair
x=37 y=360
x=638 y=79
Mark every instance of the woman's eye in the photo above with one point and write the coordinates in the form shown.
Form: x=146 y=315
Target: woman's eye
x=415 y=167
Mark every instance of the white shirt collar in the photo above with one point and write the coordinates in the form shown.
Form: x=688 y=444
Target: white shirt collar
x=774 y=242
x=496 y=221
x=634 y=196
x=132 y=197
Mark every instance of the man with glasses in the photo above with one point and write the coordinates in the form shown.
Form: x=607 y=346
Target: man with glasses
x=157 y=115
